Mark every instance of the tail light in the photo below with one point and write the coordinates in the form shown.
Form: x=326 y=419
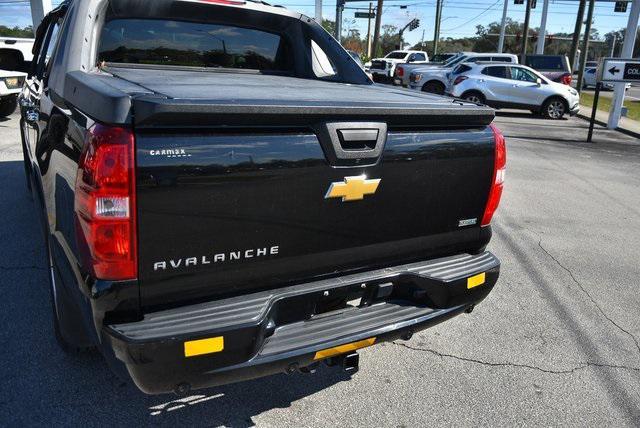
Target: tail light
x=460 y=79
x=399 y=71
x=105 y=204
x=497 y=183
x=566 y=79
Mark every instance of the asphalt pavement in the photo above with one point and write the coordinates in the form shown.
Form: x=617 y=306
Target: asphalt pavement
x=556 y=343
x=633 y=93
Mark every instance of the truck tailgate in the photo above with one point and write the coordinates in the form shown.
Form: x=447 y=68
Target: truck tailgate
x=224 y=213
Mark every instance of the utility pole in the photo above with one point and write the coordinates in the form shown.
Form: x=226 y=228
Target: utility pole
x=376 y=31
x=576 y=33
x=503 y=26
x=339 y=9
x=525 y=33
x=627 y=52
x=39 y=8
x=318 y=16
x=543 y=28
x=585 y=45
x=369 y=31
x=613 y=45
x=436 y=27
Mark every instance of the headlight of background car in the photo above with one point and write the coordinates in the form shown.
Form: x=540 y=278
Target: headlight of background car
x=13 y=82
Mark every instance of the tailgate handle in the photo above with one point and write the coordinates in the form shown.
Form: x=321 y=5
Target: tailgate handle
x=352 y=143
x=358 y=139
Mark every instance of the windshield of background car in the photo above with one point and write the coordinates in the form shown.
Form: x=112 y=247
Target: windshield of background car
x=168 y=42
x=549 y=63
x=396 y=55
x=454 y=61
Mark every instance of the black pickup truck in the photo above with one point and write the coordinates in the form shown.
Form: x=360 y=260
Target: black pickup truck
x=226 y=195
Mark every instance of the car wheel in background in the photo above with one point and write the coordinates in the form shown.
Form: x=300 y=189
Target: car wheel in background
x=433 y=87
x=474 y=97
x=554 y=108
x=8 y=105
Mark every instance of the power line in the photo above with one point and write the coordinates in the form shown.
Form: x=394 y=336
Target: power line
x=475 y=17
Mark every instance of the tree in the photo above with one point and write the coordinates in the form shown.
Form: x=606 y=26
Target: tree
x=26 y=32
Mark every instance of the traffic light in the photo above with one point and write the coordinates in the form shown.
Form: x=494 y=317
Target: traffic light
x=415 y=23
x=621 y=6
x=533 y=4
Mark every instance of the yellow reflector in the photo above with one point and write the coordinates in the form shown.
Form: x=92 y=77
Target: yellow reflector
x=342 y=349
x=476 y=280
x=203 y=346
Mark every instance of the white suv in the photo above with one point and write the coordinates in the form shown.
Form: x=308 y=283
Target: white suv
x=382 y=69
x=512 y=86
x=434 y=79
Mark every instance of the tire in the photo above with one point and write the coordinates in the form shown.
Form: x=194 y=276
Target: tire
x=433 y=87
x=554 y=108
x=8 y=105
x=474 y=97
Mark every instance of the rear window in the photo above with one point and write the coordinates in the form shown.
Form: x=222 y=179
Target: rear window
x=180 y=43
x=550 y=63
x=462 y=68
x=396 y=55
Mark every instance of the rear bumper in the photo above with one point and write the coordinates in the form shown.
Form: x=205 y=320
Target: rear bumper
x=281 y=330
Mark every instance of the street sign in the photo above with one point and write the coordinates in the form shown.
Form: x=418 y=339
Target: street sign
x=620 y=7
x=365 y=15
x=619 y=70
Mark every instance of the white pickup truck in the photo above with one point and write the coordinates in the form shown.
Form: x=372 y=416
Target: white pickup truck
x=10 y=86
x=382 y=69
x=15 y=53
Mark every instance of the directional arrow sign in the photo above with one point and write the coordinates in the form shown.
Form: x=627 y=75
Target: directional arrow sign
x=619 y=70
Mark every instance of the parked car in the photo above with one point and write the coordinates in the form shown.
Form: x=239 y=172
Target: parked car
x=383 y=69
x=514 y=86
x=10 y=86
x=554 y=67
x=435 y=79
x=192 y=256
x=589 y=80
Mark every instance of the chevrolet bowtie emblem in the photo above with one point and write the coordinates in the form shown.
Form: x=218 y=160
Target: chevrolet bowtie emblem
x=352 y=188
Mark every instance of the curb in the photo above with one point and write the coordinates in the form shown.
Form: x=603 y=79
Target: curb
x=601 y=123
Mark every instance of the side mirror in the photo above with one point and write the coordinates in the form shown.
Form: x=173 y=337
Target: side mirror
x=538 y=81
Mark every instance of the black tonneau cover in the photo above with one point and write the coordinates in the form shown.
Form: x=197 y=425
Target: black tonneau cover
x=188 y=98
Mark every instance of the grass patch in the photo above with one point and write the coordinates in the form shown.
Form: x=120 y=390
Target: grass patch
x=604 y=104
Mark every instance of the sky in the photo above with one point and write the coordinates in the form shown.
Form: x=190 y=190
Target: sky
x=459 y=17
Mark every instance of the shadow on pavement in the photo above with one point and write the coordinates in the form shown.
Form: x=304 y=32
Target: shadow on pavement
x=40 y=385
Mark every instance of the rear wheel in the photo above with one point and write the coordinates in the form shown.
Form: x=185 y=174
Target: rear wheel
x=8 y=105
x=474 y=97
x=433 y=87
x=554 y=108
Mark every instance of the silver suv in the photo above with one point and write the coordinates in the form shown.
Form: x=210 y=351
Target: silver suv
x=512 y=86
